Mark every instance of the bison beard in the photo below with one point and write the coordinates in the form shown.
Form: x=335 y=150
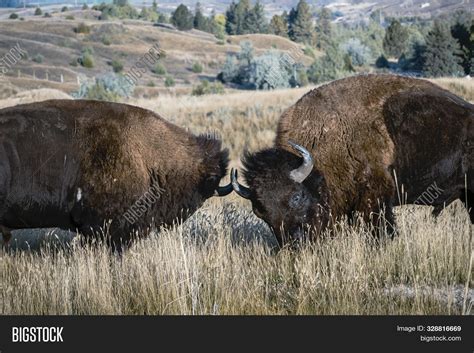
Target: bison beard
x=80 y=165
x=360 y=132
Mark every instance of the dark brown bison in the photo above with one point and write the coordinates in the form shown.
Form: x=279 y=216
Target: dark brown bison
x=355 y=141
x=90 y=166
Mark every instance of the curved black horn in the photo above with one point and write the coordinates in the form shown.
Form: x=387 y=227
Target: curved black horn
x=241 y=190
x=301 y=173
x=223 y=190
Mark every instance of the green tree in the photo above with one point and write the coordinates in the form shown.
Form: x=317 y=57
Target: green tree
x=154 y=6
x=38 y=12
x=120 y=2
x=182 y=18
x=279 y=26
x=255 y=21
x=331 y=66
x=301 y=28
x=396 y=39
x=441 y=57
x=200 y=22
x=231 y=19
x=461 y=31
x=324 y=28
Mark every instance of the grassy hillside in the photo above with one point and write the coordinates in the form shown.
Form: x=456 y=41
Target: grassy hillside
x=56 y=41
x=222 y=260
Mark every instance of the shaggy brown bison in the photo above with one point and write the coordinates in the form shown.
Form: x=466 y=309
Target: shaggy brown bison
x=355 y=140
x=89 y=166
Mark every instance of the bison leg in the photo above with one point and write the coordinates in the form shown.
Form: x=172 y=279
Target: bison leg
x=6 y=234
x=467 y=198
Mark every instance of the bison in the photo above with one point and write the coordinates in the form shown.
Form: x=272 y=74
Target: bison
x=88 y=166
x=349 y=146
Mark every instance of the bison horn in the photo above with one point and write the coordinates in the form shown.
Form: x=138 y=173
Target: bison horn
x=241 y=190
x=223 y=190
x=301 y=173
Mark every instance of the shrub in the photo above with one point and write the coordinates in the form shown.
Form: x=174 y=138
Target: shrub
x=329 y=67
x=82 y=28
x=47 y=14
x=109 y=87
x=64 y=9
x=38 y=58
x=117 y=66
x=13 y=16
x=38 y=12
x=150 y=84
x=197 y=68
x=268 y=71
x=159 y=69
x=169 y=81
x=87 y=61
x=358 y=52
x=85 y=7
x=87 y=58
x=208 y=88
x=69 y=17
x=106 y=40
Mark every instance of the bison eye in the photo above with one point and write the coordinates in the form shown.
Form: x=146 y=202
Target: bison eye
x=296 y=200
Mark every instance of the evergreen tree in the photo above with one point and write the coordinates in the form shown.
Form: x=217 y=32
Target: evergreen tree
x=231 y=19
x=396 y=39
x=242 y=12
x=182 y=18
x=255 y=21
x=120 y=2
x=154 y=6
x=200 y=22
x=460 y=30
x=331 y=66
x=301 y=24
x=441 y=57
x=323 y=28
x=236 y=17
x=279 y=26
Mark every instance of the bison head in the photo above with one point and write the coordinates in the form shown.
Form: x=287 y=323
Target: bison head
x=214 y=167
x=286 y=192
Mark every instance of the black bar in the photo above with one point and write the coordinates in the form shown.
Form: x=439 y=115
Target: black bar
x=291 y=333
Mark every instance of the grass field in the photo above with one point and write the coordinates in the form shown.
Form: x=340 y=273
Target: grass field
x=223 y=259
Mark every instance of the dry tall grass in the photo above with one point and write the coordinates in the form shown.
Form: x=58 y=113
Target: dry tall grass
x=223 y=260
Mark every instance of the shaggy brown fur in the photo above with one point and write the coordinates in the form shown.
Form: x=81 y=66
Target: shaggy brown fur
x=361 y=131
x=82 y=164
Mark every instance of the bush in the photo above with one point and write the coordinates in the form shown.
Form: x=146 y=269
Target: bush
x=382 y=62
x=13 y=16
x=197 y=68
x=150 y=84
x=47 y=14
x=106 y=40
x=169 y=81
x=106 y=88
x=358 y=52
x=159 y=69
x=85 y=7
x=38 y=58
x=69 y=17
x=117 y=66
x=208 y=88
x=82 y=28
x=87 y=58
x=271 y=70
x=64 y=9
x=38 y=12
x=330 y=67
